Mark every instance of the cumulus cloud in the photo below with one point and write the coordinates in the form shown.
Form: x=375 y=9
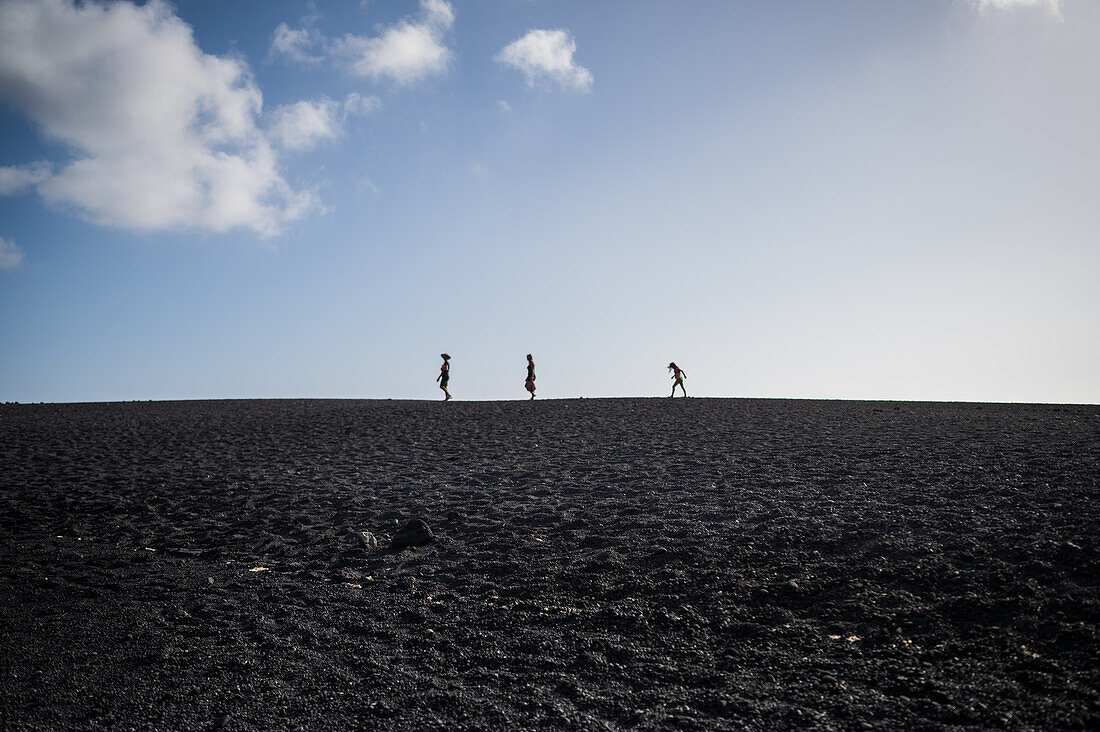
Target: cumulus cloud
x=1053 y=6
x=17 y=179
x=298 y=44
x=303 y=125
x=405 y=52
x=504 y=106
x=164 y=135
x=11 y=256
x=547 y=55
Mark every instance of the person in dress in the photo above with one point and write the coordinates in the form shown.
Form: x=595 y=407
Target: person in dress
x=529 y=385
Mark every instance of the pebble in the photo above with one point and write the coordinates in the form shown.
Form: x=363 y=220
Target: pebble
x=367 y=540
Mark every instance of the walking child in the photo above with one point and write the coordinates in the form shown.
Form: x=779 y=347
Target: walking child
x=678 y=376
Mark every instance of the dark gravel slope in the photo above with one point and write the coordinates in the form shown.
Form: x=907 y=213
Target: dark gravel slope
x=596 y=564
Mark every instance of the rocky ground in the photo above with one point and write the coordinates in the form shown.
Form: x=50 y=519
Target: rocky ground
x=589 y=564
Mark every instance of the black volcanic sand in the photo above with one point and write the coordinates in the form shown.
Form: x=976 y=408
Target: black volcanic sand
x=596 y=564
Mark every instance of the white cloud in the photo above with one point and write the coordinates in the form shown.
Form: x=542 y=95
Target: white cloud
x=1053 y=6
x=303 y=125
x=366 y=184
x=165 y=135
x=504 y=106
x=17 y=179
x=296 y=44
x=360 y=105
x=405 y=52
x=11 y=256
x=547 y=55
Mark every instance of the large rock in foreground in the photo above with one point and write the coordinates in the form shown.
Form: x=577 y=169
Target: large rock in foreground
x=414 y=533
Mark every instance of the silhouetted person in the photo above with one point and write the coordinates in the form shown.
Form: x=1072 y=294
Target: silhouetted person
x=678 y=376
x=529 y=385
x=445 y=374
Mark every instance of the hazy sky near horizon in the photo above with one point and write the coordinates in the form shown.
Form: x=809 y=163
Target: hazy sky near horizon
x=874 y=199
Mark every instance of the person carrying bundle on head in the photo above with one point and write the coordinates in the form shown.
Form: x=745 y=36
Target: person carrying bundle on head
x=445 y=374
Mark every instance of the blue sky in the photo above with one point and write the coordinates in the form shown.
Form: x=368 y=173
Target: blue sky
x=870 y=200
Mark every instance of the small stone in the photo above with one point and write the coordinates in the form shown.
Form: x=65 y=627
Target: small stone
x=414 y=533
x=367 y=540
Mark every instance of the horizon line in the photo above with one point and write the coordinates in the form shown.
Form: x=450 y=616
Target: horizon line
x=548 y=399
